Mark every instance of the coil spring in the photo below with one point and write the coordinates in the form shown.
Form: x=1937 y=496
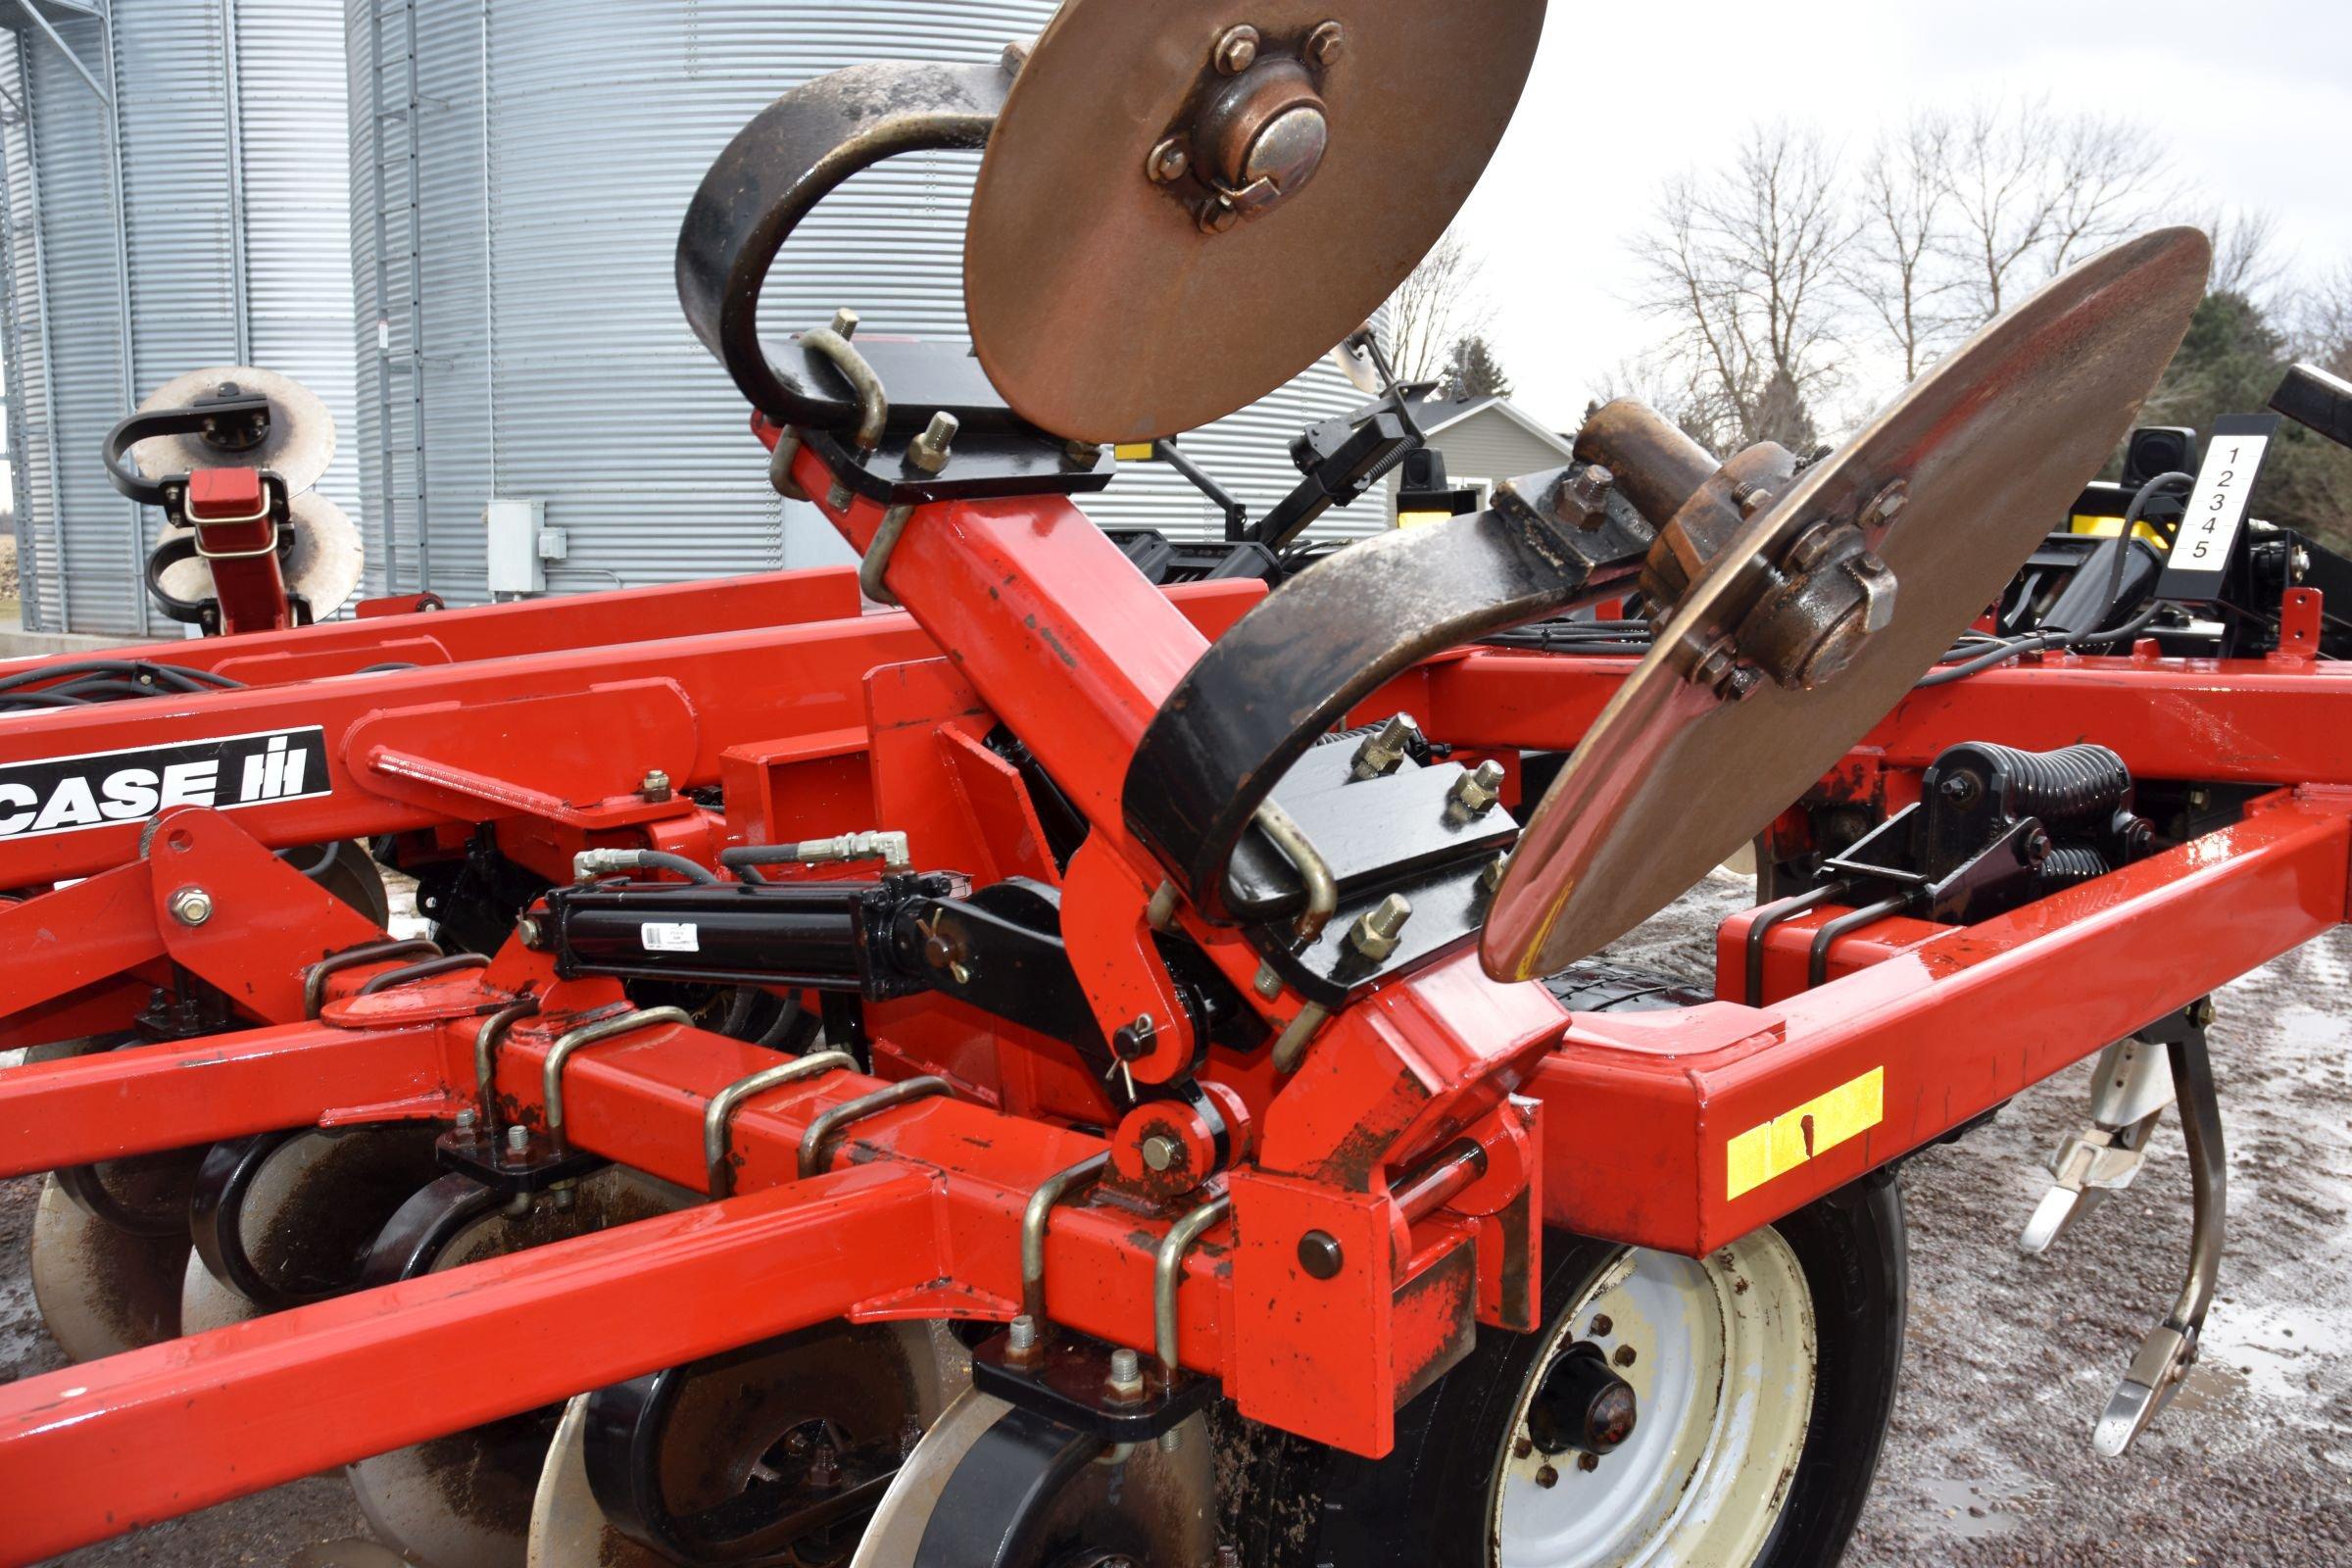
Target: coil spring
x=2070 y=787
x=2067 y=864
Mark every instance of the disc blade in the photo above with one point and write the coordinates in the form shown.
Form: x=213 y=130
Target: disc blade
x=1993 y=443
x=101 y=1291
x=1099 y=306
x=321 y=565
x=568 y=1526
x=298 y=448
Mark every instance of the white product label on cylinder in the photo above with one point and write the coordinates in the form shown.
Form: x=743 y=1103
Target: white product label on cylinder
x=667 y=936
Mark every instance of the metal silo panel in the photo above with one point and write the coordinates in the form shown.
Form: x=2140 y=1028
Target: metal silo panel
x=197 y=221
x=83 y=320
x=554 y=149
x=294 y=173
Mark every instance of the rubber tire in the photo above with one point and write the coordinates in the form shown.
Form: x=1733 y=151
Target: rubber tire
x=1424 y=1506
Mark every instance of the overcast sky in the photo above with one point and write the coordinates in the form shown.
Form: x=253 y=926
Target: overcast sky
x=2254 y=99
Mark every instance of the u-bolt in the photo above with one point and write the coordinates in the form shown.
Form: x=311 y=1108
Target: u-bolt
x=815 y=1156
x=1314 y=872
x=1760 y=926
x=315 y=978
x=718 y=1117
x=1038 y=1215
x=1167 y=1273
x=486 y=1040
x=589 y=1034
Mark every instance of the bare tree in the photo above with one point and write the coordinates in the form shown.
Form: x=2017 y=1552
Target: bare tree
x=2323 y=317
x=2245 y=251
x=1739 y=265
x=1900 y=267
x=1441 y=302
x=2035 y=190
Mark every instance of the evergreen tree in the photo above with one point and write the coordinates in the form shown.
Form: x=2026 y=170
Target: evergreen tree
x=1782 y=415
x=1472 y=370
x=2231 y=363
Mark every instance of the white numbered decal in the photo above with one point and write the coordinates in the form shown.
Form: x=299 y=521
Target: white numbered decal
x=670 y=936
x=2217 y=507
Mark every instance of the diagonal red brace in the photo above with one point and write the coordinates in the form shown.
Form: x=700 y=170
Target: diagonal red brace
x=108 y=1446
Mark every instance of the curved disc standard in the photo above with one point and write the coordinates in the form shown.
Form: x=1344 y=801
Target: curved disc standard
x=298 y=448
x=1099 y=308
x=1148 y=1505
x=321 y=565
x=568 y=1527
x=466 y=1500
x=307 y=1214
x=1993 y=443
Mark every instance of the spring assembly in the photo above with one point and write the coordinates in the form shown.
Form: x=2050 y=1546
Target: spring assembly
x=2067 y=865
x=2073 y=786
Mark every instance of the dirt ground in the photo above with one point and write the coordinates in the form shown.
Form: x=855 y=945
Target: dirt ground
x=2011 y=1358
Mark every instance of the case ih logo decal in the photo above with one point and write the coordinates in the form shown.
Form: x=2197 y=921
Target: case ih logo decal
x=102 y=789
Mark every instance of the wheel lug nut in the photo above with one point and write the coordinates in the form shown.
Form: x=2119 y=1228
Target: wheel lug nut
x=1624 y=1355
x=1587 y=1461
x=1601 y=1325
x=1547 y=1477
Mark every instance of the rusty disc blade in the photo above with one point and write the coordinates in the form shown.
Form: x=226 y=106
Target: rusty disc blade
x=1993 y=443
x=1098 y=306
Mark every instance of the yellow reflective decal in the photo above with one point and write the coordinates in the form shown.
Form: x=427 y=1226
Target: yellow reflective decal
x=1133 y=452
x=1796 y=1136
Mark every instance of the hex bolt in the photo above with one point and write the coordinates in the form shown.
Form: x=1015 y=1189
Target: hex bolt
x=1546 y=1476
x=1475 y=793
x=1320 y=1254
x=1020 y=1334
x=1218 y=216
x=519 y=1139
x=1160 y=1152
x=1237 y=50
x=656 y=787
x=1169 y=162
x=929 y=450
x=1491 y=878
x=1384 y=752
x=1624 y=1356
x=1602 y=1325
x=845 y=322
x=1266 y=983
x=1085 y=454
x=1880 y=511
x=527 y=930
x=2201 y=1012
x=1326 y=44
x=466 y=1119
x=1589 y=489
x=191 y=906
x=1374 y=934
x=1587 y=1461
x=1126 y=1374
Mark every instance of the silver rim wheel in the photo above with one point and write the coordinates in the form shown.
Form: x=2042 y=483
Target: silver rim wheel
x=1723 y=1353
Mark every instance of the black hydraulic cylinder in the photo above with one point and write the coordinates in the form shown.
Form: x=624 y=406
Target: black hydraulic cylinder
x=826 y=936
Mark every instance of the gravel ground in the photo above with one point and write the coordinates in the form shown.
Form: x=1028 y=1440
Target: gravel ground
x=2011 y=1358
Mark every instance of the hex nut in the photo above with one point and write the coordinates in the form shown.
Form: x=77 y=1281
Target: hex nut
x=1237 y=50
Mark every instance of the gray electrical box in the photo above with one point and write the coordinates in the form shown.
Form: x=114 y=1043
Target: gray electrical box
x=511 y=549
